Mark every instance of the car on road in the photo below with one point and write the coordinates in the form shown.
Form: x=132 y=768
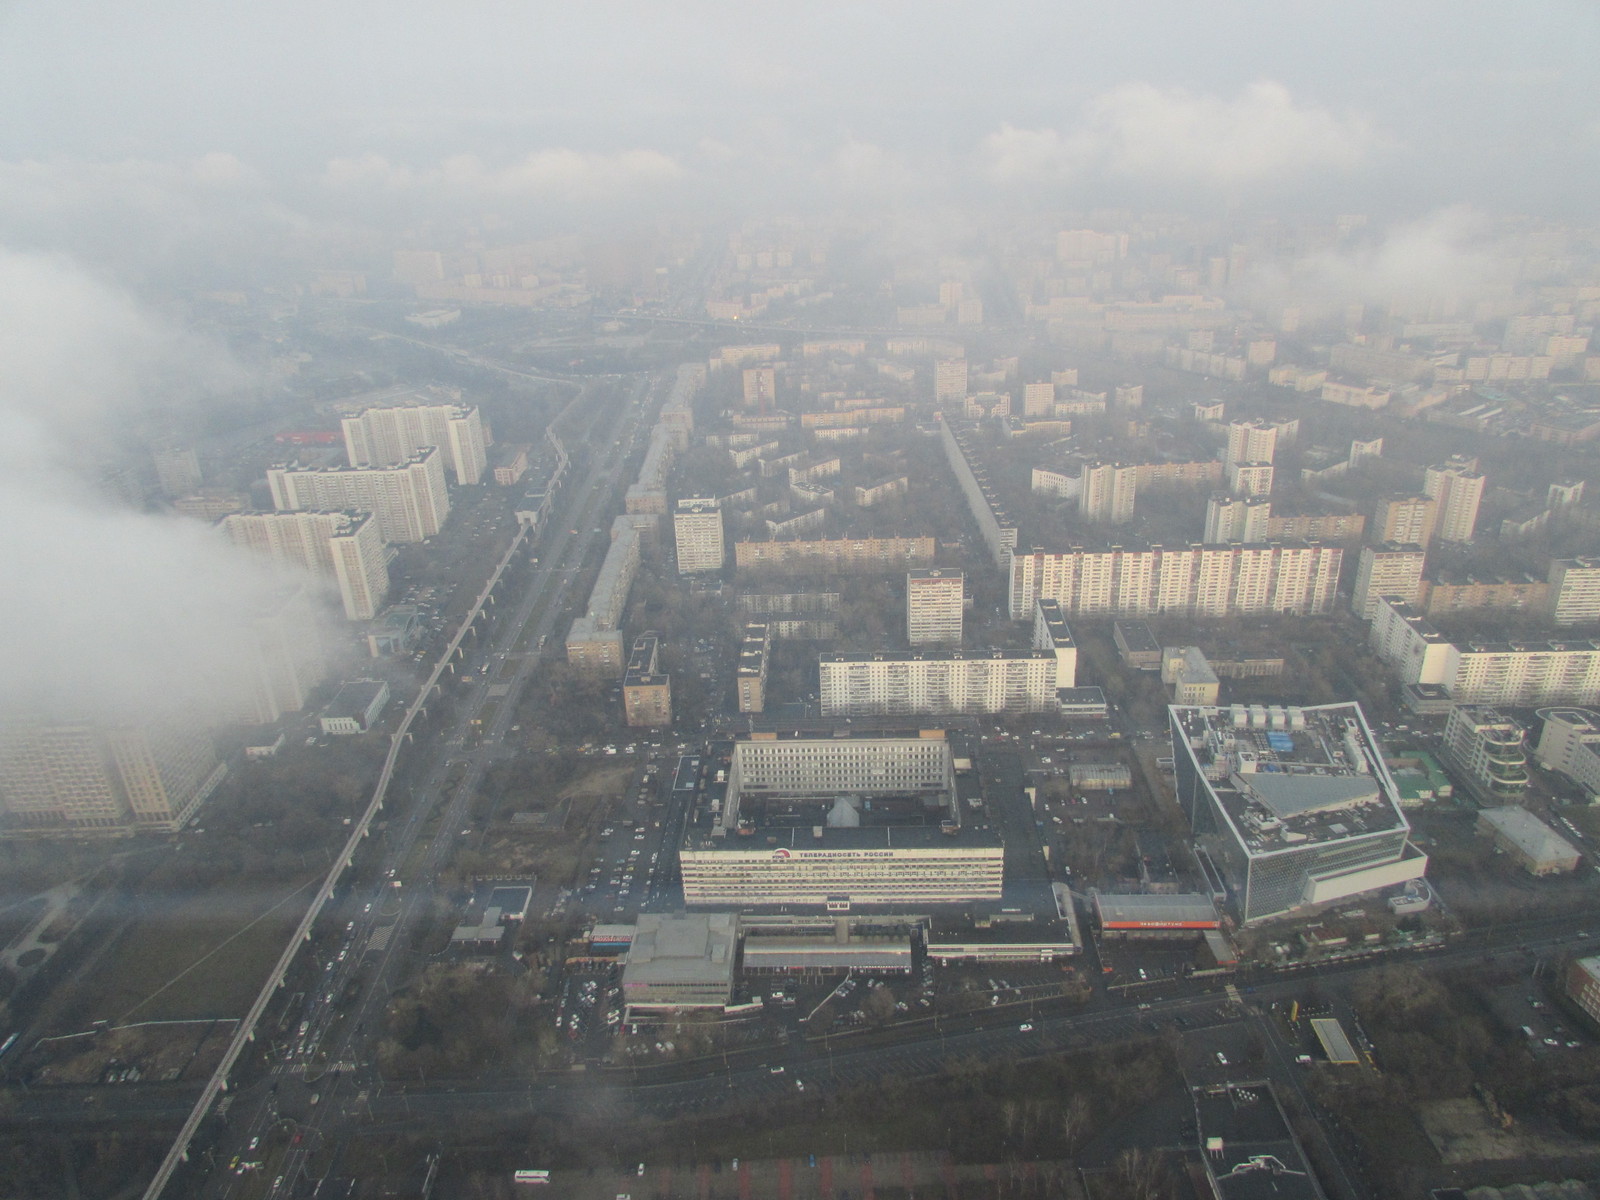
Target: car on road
x=1025 y=1027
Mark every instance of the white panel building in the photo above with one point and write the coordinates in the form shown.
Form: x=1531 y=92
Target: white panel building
x=980 y=681
x=389 y=434
x=409 y=499
x=343 y=547
x=935 y=597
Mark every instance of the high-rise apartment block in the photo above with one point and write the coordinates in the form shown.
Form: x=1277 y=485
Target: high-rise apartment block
x=177 y=471
x=761 y=388
x=949 y=380
x=1237 y=519
x=1292 y=578
x=1106 y=492
x=283 y=658
x=1250 y=478
x=750 y=676
x=409 y=499
x=1250 y=442
x=1389 y=569
x=1038 y=399
x=937 y=684
x=934 y=599
x=1457 y=487
x=697 y=526
x=1574 y=591
x=387 y=435
x=1051 y=634
x=1409 y=520
x=343 y=547
x=83 y=777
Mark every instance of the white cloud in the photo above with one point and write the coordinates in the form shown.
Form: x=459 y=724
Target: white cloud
x=559 y=174
x=1142 y=132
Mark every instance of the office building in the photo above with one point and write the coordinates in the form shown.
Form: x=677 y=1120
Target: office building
x=1106 y=492
x=697 y=525
x=980 y=681
x=77 y=777
x=344 y=548
x=934 y=604
x=1298 y=578
x=1457 y=489
x=1528 y=841
x=834 y=823
x=409 y=499
x=1292 y=808
x=1192 y=680
x=387 y=435
x=1051 y=634
x=750 y=676
x=1486 y=749
x=1408 y=520
x=1388 y=569
x=646 y=692
x=1574 y=595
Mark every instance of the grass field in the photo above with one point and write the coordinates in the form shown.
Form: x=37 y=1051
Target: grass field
x=203 y=955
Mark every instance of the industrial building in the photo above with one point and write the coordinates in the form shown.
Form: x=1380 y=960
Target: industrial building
x=1291 y=808
x=1528 y=841
x=838 y=822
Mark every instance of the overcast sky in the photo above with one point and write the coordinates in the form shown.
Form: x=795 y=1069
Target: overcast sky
x=1374 y=106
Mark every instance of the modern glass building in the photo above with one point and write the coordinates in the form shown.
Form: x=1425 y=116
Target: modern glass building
x=1292 y=807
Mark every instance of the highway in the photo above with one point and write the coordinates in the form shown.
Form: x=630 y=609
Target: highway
x=329 y=1054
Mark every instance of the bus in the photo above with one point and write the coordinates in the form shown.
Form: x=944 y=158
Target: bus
x=530 y=1177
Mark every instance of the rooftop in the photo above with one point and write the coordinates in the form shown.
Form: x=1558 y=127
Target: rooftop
x=1288 y=777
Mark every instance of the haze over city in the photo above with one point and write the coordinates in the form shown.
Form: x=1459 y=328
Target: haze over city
x=799 y=600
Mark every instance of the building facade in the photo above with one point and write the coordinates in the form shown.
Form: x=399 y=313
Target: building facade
x=697 y=527
x=986 y=681
x=934 y=605
x=409 y=499
x=1389 y=569
x=1574 y=593
x=390 y=434
x=343 y=547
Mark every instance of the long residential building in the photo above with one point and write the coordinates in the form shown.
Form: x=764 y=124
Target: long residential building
x=388 y=434
x=981 y=681
x=343 y=547
x=1524 y=672
x=594 y=640
x=999 y=534
x=835 y=554
x=1574 y=595
x=409 y=499
x=1389 y=569
x=1299 y=578
x=75 y=777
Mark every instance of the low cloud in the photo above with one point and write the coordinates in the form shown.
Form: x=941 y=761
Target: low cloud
x=110 y=612
x=561 y=175
x=1142 y=133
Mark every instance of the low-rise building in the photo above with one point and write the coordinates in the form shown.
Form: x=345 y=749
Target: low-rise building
x=1583 y=985
x=1192 y=679
x=1136 y=645
x=679 y=962
x=354 y=707
x=1528 y=841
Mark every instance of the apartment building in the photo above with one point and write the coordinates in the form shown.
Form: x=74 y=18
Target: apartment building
x=408 y=498
x=985 y=681
x=1574 y=591
x=345 y=548
x=386 y=435
x=1389 y=569
x=935 y=599
x=1457 y=489
x=697 y=526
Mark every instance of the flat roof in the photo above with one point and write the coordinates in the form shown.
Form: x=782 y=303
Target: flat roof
x=1335 y=1044
x=1055 y=622
x=1289 y=777
x=1190 y=911
x=354 y=698
x=1528 y=833
x=687 y=948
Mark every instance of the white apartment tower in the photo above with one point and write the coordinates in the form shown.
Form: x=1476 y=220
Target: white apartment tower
x=1250 y=442
x=1250 y=478
x=1574 y=591
x=387 y=435
x=1106 y=492
x=949 y=380
x=409 y=499
x=697 y=525
x=1457 y=487
x=1388 y=569
x=934 y=599
x=1237 y=519
x=342 y=547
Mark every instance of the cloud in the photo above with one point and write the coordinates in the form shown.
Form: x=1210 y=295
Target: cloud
x=562 y=175
x=1144 y=133
x=1437 y=266
x=109 y=612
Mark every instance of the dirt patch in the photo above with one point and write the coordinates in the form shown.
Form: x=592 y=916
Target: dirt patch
x=601 y=782
x=1462 y=1133
x=135 y=1054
